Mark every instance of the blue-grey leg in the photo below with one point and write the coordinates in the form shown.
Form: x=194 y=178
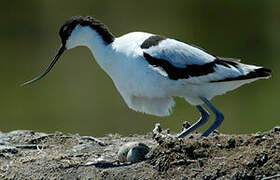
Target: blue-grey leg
x=203 y=119
x=219 y=117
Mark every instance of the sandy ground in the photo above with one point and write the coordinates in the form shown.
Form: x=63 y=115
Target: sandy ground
x=34 y=155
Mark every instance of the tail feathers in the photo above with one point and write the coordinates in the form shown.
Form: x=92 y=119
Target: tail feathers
x=254 y=74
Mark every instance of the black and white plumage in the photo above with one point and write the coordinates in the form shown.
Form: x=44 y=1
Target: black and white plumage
x=149 y=70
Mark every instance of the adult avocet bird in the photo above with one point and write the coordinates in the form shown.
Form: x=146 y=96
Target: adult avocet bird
x=149 y=70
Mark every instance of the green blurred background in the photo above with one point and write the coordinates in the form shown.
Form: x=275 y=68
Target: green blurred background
x=78 y=97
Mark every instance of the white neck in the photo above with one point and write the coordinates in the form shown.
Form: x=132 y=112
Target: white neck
x=86 y=36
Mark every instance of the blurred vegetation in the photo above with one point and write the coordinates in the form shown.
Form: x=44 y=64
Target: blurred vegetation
x=78 y=97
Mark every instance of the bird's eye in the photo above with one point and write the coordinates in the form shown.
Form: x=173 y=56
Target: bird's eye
x=63 y=31
x=64 y=28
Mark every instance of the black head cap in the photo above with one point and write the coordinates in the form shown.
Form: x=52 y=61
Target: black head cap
x=67 y=28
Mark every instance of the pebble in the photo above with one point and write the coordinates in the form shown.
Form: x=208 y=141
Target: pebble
x=8 y=149
x=2 y=140
x=273 y=146
x=257 y=141
x=133 y=152
x=257 y=135
x=157 y=129
x=186 y=125
x=277 y=129
x=231 y=143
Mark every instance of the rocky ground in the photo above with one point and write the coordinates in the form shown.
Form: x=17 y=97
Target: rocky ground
x=34 y=155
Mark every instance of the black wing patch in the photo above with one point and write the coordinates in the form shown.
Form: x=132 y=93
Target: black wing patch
x=193 y=70
x=152 y=41
x=261 y=72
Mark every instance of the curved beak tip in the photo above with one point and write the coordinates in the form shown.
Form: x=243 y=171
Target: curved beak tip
x=55 y=59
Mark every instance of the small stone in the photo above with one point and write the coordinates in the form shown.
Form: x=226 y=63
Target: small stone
x=247 y=164
x=273 y=146
x=266 y=137
x=183 y=177
x=186 y=125
x=8 y=149
x=241 y=175
x=201 y=163
x=258 y=135
x=2 y=142
x=231 y=143
x=261 y=158
x=257 y=141
x=277 y=129
x=215 y=133
x=206 y=177
x=157 y=129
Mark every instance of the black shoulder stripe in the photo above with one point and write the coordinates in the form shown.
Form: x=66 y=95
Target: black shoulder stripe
x=193 y=70
x=152 y=41
x=261 y=72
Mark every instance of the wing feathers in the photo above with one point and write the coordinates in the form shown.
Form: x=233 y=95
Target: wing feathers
x=191 y=70
x=219 y=70
x=178 y=60
x=256 y=73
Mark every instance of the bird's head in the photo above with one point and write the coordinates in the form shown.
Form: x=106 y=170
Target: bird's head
x=76 y=32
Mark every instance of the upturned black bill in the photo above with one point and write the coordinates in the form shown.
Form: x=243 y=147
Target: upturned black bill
x=58 y=54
